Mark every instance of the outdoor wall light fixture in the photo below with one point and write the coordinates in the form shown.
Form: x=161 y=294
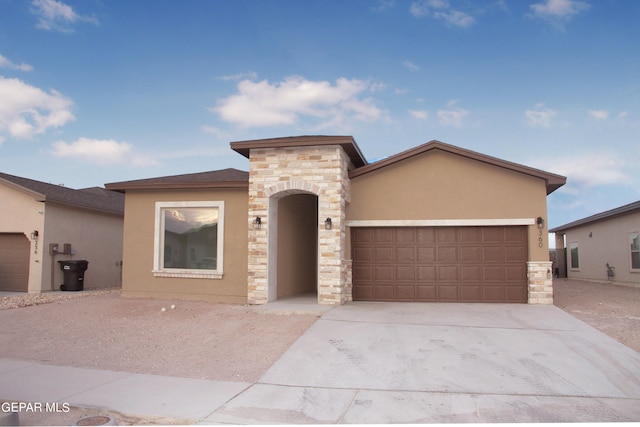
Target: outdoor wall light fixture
x=257 y=223
x=34 y=235
x=540 y=222
x=327 y=224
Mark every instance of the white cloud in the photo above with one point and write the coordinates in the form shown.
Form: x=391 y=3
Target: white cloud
x=284 y=103
x=452 y=116
x=382 y=5
x=590 y=169
x=212 y=130
x=6 y=63
x=599 y=114
x=57 y=16
x=556 y=12
x=410 y=66
x=540 y=116
x=419 y=114
x=440 y=9
x=251 y=75
x=105 y=151
x=26 y=111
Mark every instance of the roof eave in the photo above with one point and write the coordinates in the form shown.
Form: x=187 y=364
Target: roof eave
x=348 y=143
x=123 y=187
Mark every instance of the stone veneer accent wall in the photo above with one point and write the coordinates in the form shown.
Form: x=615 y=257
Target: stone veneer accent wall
x=540 y=280
x=277 y=172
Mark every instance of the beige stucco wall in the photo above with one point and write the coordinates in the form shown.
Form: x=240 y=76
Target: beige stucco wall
x=608 y=243
x=138 y=279
x=94 y=236
x=442 y=186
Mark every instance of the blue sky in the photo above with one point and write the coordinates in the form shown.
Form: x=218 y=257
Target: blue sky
x=99 y=91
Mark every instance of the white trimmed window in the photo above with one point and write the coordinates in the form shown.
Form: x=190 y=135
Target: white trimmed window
x=189 y=239
x=634 y=246
x=574 y=256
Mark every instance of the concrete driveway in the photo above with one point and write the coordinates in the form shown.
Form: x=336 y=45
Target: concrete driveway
x=444 y=363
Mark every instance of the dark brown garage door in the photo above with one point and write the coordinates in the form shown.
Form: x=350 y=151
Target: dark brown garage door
x=449 y=264
x=14 y=262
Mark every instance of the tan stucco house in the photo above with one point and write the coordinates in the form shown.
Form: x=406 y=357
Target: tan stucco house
x=41 y=224
x=434 y=223
x=602 y=247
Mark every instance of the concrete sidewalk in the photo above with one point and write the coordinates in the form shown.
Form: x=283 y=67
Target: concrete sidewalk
x=365 y=363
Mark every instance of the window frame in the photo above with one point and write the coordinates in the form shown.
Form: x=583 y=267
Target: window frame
x=158 y=242
x=631 y=251
x=577 y=248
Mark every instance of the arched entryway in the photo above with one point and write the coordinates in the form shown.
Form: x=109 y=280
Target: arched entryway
x=293 y=245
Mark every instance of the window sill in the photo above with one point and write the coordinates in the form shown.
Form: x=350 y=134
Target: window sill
x=190 y=274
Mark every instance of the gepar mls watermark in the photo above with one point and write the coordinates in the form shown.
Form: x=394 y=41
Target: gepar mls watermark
x=8 y=407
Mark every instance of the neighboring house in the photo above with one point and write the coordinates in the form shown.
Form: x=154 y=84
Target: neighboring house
x=602 y=247
x=434 y=223
x=84 y=224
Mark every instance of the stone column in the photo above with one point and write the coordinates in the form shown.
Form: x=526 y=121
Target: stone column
x=540 y=278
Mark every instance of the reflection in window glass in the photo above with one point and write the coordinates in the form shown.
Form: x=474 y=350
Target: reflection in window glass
x=634 y=243
x=575 y=262
x=191 y=237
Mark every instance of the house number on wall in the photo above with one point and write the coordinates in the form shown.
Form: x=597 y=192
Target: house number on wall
x=540 y=241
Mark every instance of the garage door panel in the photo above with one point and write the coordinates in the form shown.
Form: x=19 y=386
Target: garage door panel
x=471 y=264
x=383 y=235
x=446 y=234
x=384 y=292
x=406 y=273
x=448 y=254
x=362 y=235
x=406 y=255
x=383 y=273
x=515 y=254
x=405 y=293
x=470 y=234
x=426 y=292
x=515 y=273
x=363 y=292
x=363 y=254
x=384 y=255
x=426 y=254
x=448 y=293
x=470 y=273
x=14 y=262
x=493 y=234
x=363 y=273
x=494 y=254
x=448 y=273
x=426 y=274
x=471 y=254
x=516 y=293
x=405 y=235
x=496 y=273
x=470 y=293
x=425 y=235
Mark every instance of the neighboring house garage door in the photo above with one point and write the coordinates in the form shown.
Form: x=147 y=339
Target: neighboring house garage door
x=14 y=262
x=448 y=264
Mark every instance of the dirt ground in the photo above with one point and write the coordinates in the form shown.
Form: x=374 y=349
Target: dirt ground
x=214 y=341
x=103 y=331
x=612 y=309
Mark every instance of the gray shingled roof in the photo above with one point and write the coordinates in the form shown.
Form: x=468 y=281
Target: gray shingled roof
x=631 y=207
x=95 y=198
x=225 y=178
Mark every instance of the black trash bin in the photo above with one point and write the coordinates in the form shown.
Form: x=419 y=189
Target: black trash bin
x=73 y=274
